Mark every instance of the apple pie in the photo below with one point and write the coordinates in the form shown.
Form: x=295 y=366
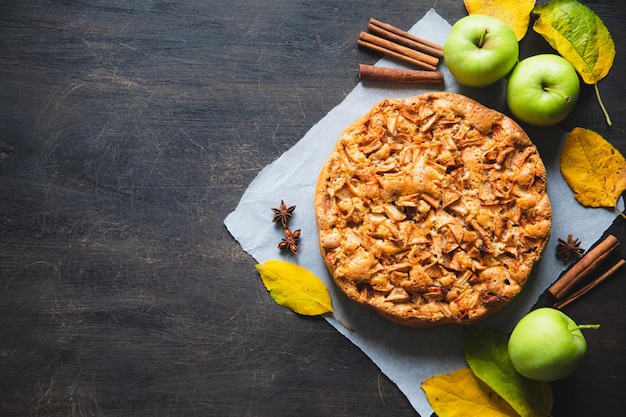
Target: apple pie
x=432 y=210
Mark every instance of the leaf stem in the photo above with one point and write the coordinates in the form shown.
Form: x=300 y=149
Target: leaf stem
x=343 y=321
x=606 y=114
x=621 y=213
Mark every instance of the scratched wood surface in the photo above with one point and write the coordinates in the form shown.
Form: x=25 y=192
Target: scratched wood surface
x=128 y=131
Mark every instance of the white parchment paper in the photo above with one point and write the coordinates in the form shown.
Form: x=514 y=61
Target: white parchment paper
x=406 y=355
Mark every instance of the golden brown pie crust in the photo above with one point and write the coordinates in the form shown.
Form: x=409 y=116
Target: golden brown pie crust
x=432 y=210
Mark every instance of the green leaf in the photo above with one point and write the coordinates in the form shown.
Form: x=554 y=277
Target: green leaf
x=580 y=36
x=486 y=352
x=296 y=288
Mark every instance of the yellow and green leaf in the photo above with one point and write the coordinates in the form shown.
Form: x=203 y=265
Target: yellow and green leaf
x=486 y=352
x=580 y=36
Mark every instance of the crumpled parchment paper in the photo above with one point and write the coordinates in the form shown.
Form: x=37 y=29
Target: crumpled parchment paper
x=406 y=355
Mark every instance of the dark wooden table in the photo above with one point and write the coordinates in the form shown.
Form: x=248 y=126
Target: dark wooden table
x=128 y=131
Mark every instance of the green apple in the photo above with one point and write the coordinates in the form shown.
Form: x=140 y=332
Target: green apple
x=480 y=50
x=542 y=90
x=547 y=345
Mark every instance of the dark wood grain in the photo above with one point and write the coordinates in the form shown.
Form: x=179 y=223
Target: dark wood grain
x=128 y=131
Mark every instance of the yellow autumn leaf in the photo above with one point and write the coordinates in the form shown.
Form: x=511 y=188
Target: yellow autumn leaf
x=462 y=394
x=515 y=13
x=296 y=288
x=593 y=169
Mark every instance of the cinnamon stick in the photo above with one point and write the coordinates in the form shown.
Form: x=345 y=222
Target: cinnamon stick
x=584 y=290
x=370 y=72
x=400 y=52
x=402 y=37
x=585 y=266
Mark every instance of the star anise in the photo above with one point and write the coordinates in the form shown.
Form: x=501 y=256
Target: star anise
x=290 y=241
x=283 y=213
x=568 y=247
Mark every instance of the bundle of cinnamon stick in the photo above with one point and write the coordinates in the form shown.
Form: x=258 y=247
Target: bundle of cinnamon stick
x=574 y=283
x=404 y=46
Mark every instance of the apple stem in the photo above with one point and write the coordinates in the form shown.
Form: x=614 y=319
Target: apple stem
x=586 y=326
x=552 y=90
x=482 y=38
